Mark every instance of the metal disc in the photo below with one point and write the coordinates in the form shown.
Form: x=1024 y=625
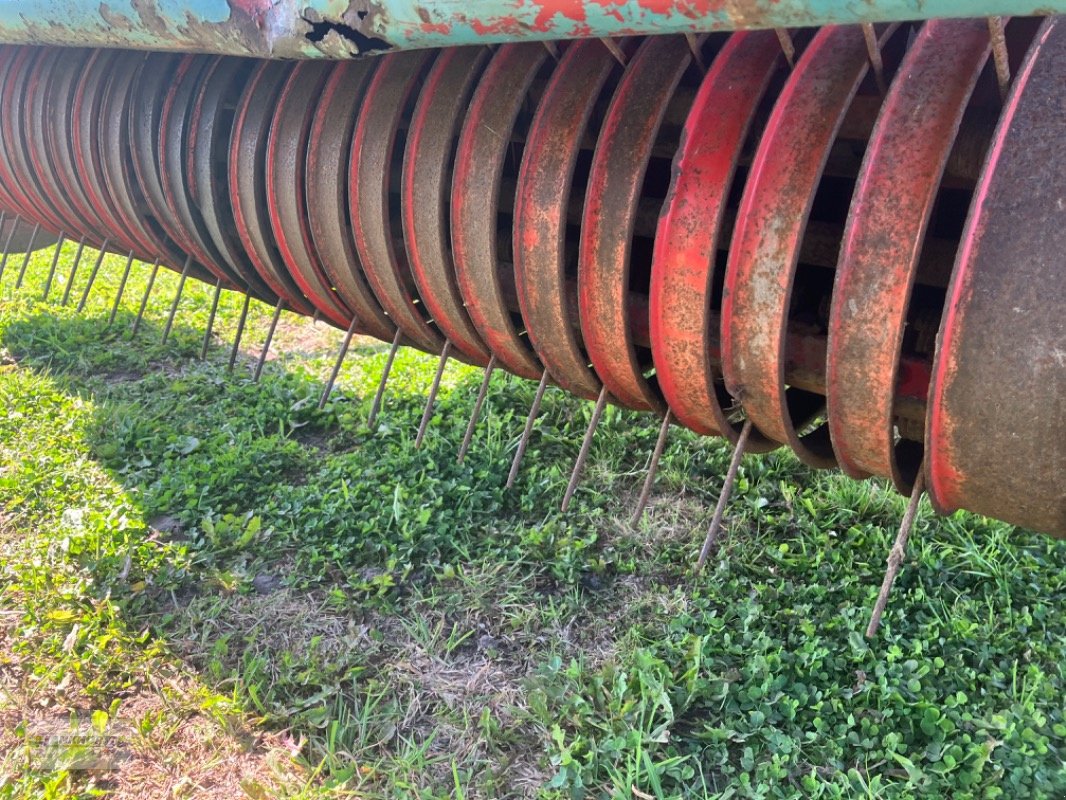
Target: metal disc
x=684 y=325
x=378 y=238
x=996 y=434
x=545 y=285
x=887 y=222
x=431 y=142
x=484 y=145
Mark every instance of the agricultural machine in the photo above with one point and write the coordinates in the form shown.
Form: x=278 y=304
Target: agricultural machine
x=837 y=227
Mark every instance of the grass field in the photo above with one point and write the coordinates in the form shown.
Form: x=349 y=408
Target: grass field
x=244 y=596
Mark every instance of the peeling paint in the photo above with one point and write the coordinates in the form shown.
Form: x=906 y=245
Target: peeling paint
x=347 y=28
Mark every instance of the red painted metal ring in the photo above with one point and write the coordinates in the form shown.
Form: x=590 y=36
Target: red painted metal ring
x=370 y=182
x=484 y=147
x=887 y=222
x=431 y=140
x=684 y=325
x=996 y=430
x=542 y=202
x=326 y=178
x=286 y=159
x=764 y=255
x=247 y=190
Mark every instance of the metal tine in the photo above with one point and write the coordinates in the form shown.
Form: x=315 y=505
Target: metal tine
x=376 y=406
x=552 y=48
x=92 y=275
x=999 y=55
x=240 y=332
x=211 y=319
x=723 y=497
x=26 y=257
x=144 y=300
x=73 y=271
x=694 y=48
x=586 y=445
x=615 y=50
x=278 y=308
x=327 y=390
x=899 y=550
x=784 y=38
x=52 y=269
x=653 y=467
x=177 y=298
x=7 y=244
x=121 y=289
x=534 y=411
x=874 y=54
x=317 y=316
x=480 y=401
x=431 y=400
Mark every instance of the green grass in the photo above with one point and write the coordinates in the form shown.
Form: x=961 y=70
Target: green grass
x=218 y=573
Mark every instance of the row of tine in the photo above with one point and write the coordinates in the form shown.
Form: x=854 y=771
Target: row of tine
x=896 y=556
x=279 y=307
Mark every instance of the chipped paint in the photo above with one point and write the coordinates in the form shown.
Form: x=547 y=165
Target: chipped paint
x=347 y=28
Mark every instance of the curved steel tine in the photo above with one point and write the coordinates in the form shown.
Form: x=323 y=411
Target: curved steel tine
x=999 y=55
x=614 y=49
x=327 y=390
x=26 y=258
x=472 y=424
x=723 y=497
x=278 y=308
x=653 y=467
x=211 y=319
x=177 y=298
x=534 y=410
x=52 y=269
x=784 y=38
x=92 y=275
x=144 y=300
x=427 y=414
x=73 y=271
x=376 y=406
x=240 y=332
x=7 y=244
x=899 y=550
x=121 y=289
x=586 y=445
x=877 y=64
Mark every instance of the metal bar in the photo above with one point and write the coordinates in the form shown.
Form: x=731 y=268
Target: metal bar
x=52 y=269
x=472 y=424
x=240 y=332
x=723 y=496
x=211 y=319
x=26 y=258
x=121 y=289
x=523 y=442
x=653 y=467
x=270 y=337
x=73 y=271
x=586 y=445
x=92 y=275
x=427 y=415
x=280 y=30
x=177 y=299
x=144 y=300
x=327 y=390
x=899 y=550
x=7 y=244
x=376 y=406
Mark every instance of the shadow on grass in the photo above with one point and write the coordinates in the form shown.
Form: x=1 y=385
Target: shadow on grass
x=423 y=628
